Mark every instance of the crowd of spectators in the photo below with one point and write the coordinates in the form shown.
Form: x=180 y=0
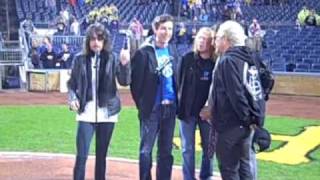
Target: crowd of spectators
x=108 y=15
x=67 y=24
x=212 y=10
x=208 y=10
x=199 y=10
x=46 y=55
x=308 y=17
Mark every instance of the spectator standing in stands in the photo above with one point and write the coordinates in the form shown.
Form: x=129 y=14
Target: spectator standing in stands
x=114 y=27
x=181 y=34
x=29 y=29
x=197 y=7
x=230 y=107
x=311 y=19
x=135 y=35
x=234 y=9
x=302 y=15
x=238 y=10
x=226 y=14
x=153 y=88
x=194 y=83
x=35 y=55
x=75 y=27
x=213 y=14
x=114 y=12
x=94 y=96
x=66 y=15
x=61 y=18
x=61 y=29
x=65 y=57
x=255 y=35
x=204 y=17
x=28 y=25
x=49 y=56
x=193 y=34
x=185 y=11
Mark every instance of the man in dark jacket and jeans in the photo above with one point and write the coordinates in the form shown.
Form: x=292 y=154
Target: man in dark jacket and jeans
x=230 y=107
x=154 y=90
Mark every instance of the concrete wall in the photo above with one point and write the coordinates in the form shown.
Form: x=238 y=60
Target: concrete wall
x=306 y=84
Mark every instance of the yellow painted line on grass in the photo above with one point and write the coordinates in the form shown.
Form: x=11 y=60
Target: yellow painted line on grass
x=293 y=152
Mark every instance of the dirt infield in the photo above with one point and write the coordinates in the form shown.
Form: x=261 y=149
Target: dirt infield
x=42 y=166
x=16 y=166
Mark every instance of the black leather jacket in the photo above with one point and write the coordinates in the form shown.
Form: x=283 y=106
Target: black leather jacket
x=109 y=68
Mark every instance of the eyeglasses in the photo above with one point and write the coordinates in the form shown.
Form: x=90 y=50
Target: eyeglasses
x=218 y=38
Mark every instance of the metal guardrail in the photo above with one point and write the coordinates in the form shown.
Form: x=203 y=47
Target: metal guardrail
x=74 y=40
x=9 y=45
x=11 y=57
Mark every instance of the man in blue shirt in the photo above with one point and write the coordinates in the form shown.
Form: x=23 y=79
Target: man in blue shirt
x=153 y=88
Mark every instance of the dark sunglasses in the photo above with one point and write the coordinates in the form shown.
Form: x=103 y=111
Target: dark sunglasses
x=98 y=37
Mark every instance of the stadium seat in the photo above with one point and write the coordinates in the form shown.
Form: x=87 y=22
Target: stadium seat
x=302 y=67
x=315 y=67
x=278 y=67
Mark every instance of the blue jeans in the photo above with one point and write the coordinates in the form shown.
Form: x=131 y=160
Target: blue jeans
x=253 y=158
x=84 y=135
x=158 y=125
x=187 y=133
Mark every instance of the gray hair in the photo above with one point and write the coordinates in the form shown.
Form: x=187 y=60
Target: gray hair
x=233 y=32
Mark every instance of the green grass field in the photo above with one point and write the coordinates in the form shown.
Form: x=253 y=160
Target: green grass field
x=52 y=129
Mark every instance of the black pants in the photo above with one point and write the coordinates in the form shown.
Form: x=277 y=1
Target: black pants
x=233 y=153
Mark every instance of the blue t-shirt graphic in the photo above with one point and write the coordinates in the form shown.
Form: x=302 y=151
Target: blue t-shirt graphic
x=166 y=77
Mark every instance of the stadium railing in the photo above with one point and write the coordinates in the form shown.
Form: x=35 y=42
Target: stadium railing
x=10 y=56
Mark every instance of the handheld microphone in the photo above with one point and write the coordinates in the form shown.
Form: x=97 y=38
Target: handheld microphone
x=96 y=59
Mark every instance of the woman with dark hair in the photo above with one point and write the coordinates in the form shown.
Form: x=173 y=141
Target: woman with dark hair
x=94 y=96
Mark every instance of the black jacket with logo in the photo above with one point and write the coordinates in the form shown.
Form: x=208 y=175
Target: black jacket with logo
x=194 y=84
x=230 y=106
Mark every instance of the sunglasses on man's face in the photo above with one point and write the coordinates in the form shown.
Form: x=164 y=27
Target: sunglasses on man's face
x=99 y=37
